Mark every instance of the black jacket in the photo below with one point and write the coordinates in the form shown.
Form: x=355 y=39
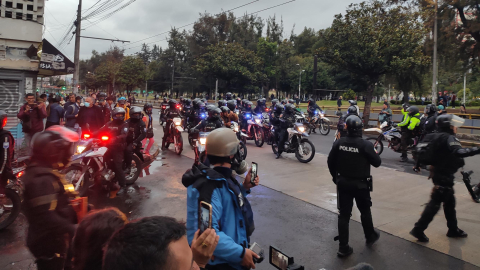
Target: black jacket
x=118 y=133
x=137 y=131
x=70 y=112
x=209 y=125
x=94 y=118
x=7 y=151
x=351 y=158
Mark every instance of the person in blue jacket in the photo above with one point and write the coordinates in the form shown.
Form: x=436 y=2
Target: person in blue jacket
x=232 y=215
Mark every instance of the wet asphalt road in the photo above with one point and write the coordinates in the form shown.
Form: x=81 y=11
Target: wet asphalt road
x=299 y=229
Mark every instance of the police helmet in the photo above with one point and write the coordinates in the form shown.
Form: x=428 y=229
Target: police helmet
x=291 y=101
x=445 y=121
x=172 y=103
x=228 y=96
x=231 y=105
x=165 y=99
x=118 y=114
x=136 y=113
x=274 y=102
x=146 y=108
x=289 y=108
x=3 y=119
x=248 y=105
x=352 y=102
x=413 y=110
x=204 y=100
x=284 y=102
x=214 y=113
x=181 y=99
x=352 y=110
x=279 y=108
x=101 y=96
x=55 y=137
x=225 y=109
x=211 y=107
x=201 y=105
x=222 y=103
x=311 y=102
x=244 y=101
x=188 y=101
x=260 y=102
x=354 y=124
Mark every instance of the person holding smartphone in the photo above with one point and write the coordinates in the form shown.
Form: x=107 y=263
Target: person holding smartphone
x=217 y=189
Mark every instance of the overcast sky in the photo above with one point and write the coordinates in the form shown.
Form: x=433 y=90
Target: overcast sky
x=145 y=18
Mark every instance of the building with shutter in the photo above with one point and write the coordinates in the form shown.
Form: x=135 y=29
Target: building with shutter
x=21 y=23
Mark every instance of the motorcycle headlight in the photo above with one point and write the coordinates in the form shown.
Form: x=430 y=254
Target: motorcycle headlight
x=258 y=121
x=235 y=129
x=177 y=121
x=80 y=149
x=301 y=129
x=203 y=141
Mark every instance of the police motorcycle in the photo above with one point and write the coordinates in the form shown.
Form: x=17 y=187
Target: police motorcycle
x=318 y=121
x=392 y=136
x=297 y=142
x=242 y=148
x=161 y=113
x=254 y=128
x=89 y=167
x=175 y=135
x=201 y=115
x=10 y=202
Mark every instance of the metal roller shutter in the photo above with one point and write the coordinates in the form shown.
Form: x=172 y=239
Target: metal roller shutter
x=10 y=102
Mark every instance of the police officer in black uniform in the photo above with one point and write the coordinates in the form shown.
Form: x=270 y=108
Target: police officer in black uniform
x=349 y=163
x=228 y=96
x=428 y=122
x=448 y=147
x=274 y=103
x=312 y=106
x=6 y=153
x=245 y=115
x=137 y=131
x=286 y=120
x=260 y=108
x=275 y=121
x=213 y=122
x=231 y=104
x=170 y=113
x=118 y=130
x=163 y=109
x=46 y=205
x=341 y=125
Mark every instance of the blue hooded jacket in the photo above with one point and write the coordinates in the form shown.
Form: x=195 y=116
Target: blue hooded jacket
x=227 y=217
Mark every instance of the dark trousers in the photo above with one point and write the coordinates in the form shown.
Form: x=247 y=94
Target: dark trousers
x=117 y=156
x=347 y=191
x=282 y=139
x=406 y=135
x=128 y=154
x=276 y=135
x=49 y=124
x=453 y=103
x=53 y=254
x=439 y=195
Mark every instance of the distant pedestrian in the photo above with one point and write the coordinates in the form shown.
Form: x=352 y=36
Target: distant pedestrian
x=454 y=98
x=423 y=100
x=55 y=113
x=32 y=114
x=339 y=104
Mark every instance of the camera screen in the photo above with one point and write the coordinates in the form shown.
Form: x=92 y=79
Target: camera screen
x=204 y=222
x=278 y=259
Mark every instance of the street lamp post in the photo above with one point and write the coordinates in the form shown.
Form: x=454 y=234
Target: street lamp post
x=300 y=81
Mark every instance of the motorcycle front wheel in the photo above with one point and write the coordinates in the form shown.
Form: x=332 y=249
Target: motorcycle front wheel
x=178 y=141
x=274 y=148
x=259 y=137
x=9 y=208
x=136 y=169
x=324 y=128
x=305 y=151
x=73 y=174
x=377 y=145
x=242 y=150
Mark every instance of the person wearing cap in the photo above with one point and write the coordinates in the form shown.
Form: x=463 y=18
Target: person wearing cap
x=411 y=120
x=46 y=198
x=450 y=153
x=232 y=215
x=441 y=110
x=6 y=152
x=122 y=103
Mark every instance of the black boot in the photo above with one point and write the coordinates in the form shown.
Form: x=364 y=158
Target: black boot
x=403 y=158
x=278 y=155
x=457 y=233
x=344 y=251
x=373 y=238
x=419 y=235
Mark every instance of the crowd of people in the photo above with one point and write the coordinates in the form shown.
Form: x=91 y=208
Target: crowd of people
x=60 y=238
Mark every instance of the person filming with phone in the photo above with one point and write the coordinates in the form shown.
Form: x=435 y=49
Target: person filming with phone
x=215 y=199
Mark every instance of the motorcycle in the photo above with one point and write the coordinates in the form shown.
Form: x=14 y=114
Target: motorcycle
x=267 y=128
x=90 y=168
x=191 y=139
x=392 y=135
x=254 y=129
x=474 y=192
x=10 y=202
x=297 y=143
x=175 y=136
x=242 y=148
x=161 y=113
x=318 y=121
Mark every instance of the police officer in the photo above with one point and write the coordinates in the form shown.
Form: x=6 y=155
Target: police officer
x=260 y=108
x=231 y=104
x=312 y=107
x=275 y=121
x=228 y=96
x=239 y=103
x=170 y=113
x=6 y=152
x=222 y=103
x=411 y=120
x=213 y=122
x=349 y=164
x=448 y=147
x=428 y=121
x=187 y=111
x=118 y=130
x=341 y=125
x=274 y=103
x=245 y=115
x=137 y=131
x=46 y=205
x=163 y=108
x=286 y=120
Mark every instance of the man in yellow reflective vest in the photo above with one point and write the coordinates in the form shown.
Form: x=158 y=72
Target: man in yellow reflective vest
x=411 y=120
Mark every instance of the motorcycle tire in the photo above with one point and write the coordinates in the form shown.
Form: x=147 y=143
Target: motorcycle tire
x=83 y=190
x=377 y=145
x=259 y=133
x=16 y=205
x=242 y=148
x=312 y=154
x=178 y=143
x=324 y=128
x=308 y=129
x=274 y=148
x=130 y=179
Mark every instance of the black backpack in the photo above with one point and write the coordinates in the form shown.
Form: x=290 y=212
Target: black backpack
x=427 y=151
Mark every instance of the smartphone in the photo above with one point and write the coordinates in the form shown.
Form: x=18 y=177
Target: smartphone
x=204 y=216
x=258 y=250
x=254 y=172
x=278 y=259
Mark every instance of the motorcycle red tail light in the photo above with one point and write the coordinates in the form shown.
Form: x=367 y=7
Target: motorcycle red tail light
x=86 y=136
x=163 y=107
x=19 y=174
x=105 y=138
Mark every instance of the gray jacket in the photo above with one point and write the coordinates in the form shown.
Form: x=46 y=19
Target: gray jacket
x=70 y=113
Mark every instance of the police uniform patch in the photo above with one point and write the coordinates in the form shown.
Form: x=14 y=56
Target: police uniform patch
x=6 y=145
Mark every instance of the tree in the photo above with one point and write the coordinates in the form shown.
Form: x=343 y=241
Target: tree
x=267 y=51
x=370 y=41
x=61 y=83
x=232 y=63
x=131 y=73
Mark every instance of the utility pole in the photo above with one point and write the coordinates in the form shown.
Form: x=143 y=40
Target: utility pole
x=173 y=73
x=435 y=68
x=216 y=91
x=464 y=87
x=388 y=98
x=300 y=83
x=76 y=58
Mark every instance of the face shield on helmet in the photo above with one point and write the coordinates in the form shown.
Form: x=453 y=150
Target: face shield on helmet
x=58 y=138
x=231 y=105
x=136 y=113
x=279 y=108
x=248 y=106
x=214 y=114
x=118 y=114
x=457 y=121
